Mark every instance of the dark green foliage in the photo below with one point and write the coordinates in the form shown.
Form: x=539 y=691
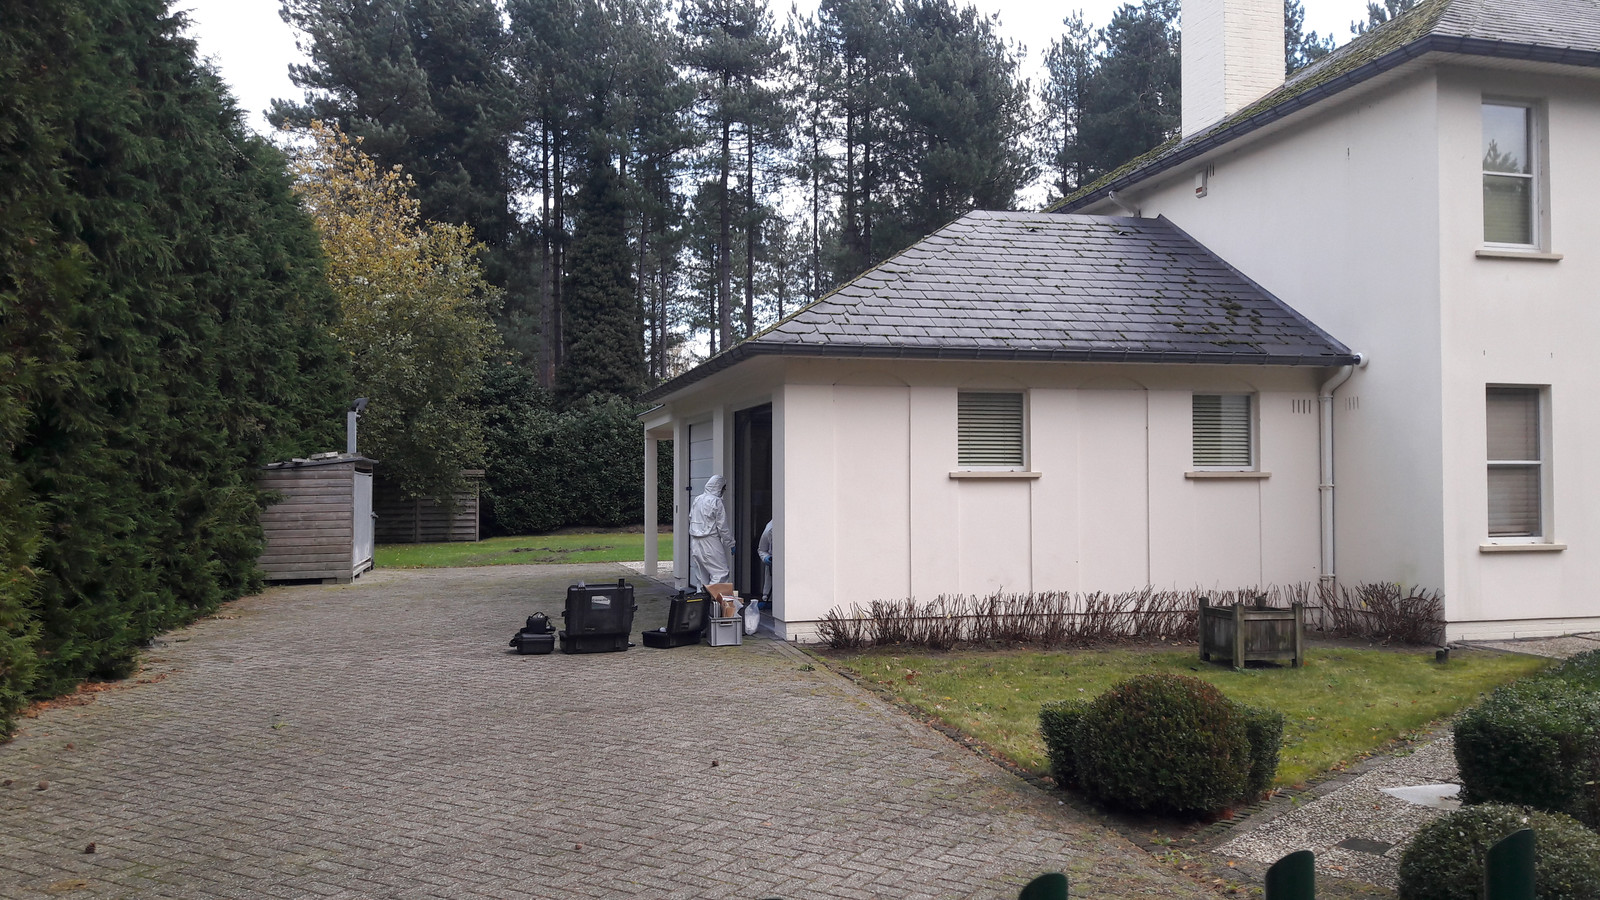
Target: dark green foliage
x=166 y=327
x=1534 y=743
x=1132 y=103
x=605 y=327
x=1445 y=860
x=1058 y=725
x=547 y=468
x=1264 y=728
x=1301 y=49
x=1164 y=743
x=424 y=84
x=1581 y=671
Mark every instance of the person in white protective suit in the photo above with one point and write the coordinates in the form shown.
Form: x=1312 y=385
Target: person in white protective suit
x=764 y=549
x=710 y=537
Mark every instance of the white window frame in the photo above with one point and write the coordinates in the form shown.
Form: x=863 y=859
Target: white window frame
x=1538 y=194
x=1542 y=463
x=1022 y=466
x=1253 y=422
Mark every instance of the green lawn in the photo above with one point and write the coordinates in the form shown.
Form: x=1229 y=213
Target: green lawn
x=548 y=548
x=1344 y=704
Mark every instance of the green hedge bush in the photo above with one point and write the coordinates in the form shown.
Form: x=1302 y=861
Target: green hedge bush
x=1058 y=725
x=1446 y=858
x=1264 y=729
x=1533 y=743
x=1581 y=671
x=1167 y=743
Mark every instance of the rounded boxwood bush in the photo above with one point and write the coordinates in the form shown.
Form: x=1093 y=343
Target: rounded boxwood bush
x=1163 y=743
x=1533 y=743
x=1582 y=670
x=1058 y=725
x=1264 y=729
x=1445 y=860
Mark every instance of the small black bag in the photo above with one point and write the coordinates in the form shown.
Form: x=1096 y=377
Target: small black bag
x=536 y=638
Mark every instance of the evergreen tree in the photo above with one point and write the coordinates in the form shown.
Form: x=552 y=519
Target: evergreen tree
x=1299 y=48
x=1381 y=13
x=425 y=85
x=814 y=162
x=963 y=112
x=1069 y=67
x=167 y=333
x=605 y=351
x=1133 y=100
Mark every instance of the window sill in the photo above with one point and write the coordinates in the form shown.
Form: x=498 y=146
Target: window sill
x=983 y=473
x=1496 y=253
x=1207 y=474
x=1541 y=547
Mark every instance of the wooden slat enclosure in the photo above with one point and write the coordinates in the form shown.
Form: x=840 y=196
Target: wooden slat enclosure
x=1239 y=633
x=409 y=520
x=311 y=530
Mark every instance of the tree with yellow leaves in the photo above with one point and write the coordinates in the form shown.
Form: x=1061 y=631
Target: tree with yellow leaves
x=417 y=310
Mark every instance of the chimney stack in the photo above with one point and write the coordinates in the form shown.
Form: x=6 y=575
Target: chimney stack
x=1232 y=56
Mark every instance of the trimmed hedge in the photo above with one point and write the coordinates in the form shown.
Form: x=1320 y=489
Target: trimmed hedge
x=1581 y=671
x=1264 y=729
x=1058 y=725
x=1534 y=743
x=1163 y=743
x=1446 y=858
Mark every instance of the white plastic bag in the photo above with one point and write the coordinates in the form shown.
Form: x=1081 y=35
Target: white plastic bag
x=752 y=617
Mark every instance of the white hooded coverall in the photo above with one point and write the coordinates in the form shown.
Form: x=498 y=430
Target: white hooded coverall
x=710 y=537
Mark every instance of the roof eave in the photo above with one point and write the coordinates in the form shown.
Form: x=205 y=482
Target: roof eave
x=1336 y=85
x=992 y=354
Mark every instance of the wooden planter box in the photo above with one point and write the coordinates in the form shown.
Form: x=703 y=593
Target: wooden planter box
x=1240 y=633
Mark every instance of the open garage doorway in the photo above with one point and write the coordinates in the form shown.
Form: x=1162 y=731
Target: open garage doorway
x=752 y=493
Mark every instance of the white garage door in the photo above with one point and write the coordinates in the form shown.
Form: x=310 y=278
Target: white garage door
x=699 y=457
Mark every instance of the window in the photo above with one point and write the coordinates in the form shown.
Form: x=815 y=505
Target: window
x=1510 y=175
x=989 y=429
x=1223 y=436
x=1516 y=462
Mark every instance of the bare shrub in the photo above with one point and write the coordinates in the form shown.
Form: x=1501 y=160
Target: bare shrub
x=1384 y=612
x=1062 y=618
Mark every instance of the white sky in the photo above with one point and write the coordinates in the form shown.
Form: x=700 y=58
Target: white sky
x=253 y=47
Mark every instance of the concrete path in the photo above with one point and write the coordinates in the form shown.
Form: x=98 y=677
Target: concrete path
x=1360 y=825
x=377 y=740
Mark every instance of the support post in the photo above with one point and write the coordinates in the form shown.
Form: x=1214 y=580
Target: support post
x=1508 y=868
x=1293 y=878
x=1238 y=635
x=650 y=514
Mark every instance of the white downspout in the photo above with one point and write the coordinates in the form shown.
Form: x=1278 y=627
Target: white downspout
x=1325 y=458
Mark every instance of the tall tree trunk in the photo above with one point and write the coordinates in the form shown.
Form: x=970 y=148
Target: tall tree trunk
x=547 y=298
x=558 y=264
x=750 y=230
x=724 y=238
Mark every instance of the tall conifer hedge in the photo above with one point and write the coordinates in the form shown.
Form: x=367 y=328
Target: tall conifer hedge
x=164 y=330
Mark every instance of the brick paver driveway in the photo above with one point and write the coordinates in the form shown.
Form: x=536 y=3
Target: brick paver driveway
x=376 y=740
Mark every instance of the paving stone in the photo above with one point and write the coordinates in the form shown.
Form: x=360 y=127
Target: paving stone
x=378 y=740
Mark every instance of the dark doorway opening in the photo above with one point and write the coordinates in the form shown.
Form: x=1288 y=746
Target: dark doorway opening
x=752 y=492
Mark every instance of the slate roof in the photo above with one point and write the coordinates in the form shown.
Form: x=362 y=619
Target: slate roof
x=1550 y=31
x=1047 y=287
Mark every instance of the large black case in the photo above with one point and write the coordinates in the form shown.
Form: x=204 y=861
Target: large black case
x=598 y=617
x=686 y=622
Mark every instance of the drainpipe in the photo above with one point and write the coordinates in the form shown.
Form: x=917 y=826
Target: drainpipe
x=1116 y=198
x=1325 y=458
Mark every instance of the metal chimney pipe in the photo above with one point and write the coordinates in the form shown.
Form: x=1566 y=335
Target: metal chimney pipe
x=350 y=417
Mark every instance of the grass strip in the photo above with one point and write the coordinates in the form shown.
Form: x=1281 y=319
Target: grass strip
x=1344 y=704
x=537 y=549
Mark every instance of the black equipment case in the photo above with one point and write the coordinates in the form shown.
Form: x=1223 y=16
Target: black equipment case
x=598 y=618
x=686 y=622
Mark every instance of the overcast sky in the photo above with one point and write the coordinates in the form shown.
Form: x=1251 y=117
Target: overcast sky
x=253 y=47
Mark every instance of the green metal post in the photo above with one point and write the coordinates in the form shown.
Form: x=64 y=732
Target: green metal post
x=1046 y=887
x=1294 y=877
x=1508 y=871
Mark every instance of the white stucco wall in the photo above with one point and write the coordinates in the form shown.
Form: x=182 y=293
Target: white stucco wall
x=870 y=510
x=1365 y=215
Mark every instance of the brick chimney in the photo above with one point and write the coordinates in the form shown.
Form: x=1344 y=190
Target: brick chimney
x=1232 y=56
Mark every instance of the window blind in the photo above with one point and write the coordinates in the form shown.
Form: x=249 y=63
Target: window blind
x=1515 y=462
x=1222 y=430
x=989 y=427
x=1508 y=177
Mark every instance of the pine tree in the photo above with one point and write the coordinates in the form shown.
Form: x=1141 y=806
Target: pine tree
x=1133 y=101
x=605 y=350
x=1070 y=67
x=1299 y=48
x=425 y=85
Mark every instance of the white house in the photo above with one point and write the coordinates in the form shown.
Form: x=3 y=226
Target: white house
x=1130 y=390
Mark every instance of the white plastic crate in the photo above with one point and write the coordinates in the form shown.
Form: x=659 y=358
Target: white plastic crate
x=727 y=632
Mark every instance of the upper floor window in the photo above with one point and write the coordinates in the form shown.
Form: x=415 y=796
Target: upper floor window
x=1223 y=432
x=1510 y=174
x=989 y=427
